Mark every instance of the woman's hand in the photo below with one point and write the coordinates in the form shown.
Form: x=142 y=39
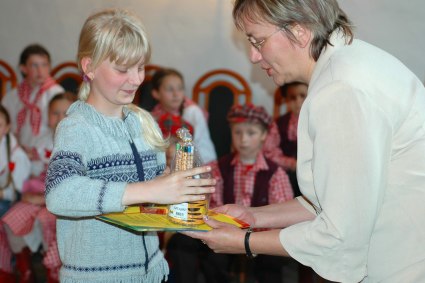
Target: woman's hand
x=224 y=238
x=172 y=188
x=238 y=211
x=227 y=238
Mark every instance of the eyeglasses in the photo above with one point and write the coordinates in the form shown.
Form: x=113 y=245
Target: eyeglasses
x=259 y=44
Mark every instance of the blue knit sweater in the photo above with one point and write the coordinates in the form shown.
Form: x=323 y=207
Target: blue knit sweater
x=94 y=158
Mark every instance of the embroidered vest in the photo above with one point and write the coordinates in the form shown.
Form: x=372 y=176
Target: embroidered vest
x=260 y=195
x=288 y=147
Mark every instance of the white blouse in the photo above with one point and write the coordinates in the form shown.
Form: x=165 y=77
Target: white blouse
x=21 y=170
x=194 y=115
x=44 y=147
x=13 y=104
x=361 y=163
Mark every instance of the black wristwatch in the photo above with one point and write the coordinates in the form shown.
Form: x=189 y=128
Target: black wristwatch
x=248 y=252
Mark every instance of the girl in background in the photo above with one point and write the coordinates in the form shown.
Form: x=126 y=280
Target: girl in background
x=106 y=157
x=14 y=170
x=168 y=88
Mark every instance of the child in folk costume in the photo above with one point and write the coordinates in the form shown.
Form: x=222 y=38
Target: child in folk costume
x=14 y=170
x=272 y=149
x=27 y=104
x=294 y=94
x=25 y=217
x=107 y=156
x=249 y=125
x=247 y=177
x=168 y=88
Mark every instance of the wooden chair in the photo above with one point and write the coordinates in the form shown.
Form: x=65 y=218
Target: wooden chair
x=217 y=91
x=68 y=76
x=8 y=80
x=279 y=102
x=143 y=96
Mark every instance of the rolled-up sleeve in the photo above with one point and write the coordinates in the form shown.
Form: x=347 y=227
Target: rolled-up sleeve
x=344 y=151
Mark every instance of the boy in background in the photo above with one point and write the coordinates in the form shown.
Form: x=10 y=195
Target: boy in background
x=246 y=177
x=294 y=94
x=28 y=104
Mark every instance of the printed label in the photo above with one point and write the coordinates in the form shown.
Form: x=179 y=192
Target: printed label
x=179 y=211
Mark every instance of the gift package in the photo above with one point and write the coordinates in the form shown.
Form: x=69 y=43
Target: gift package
x=187 y=157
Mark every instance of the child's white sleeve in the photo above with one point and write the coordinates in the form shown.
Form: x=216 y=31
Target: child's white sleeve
x=22 y=169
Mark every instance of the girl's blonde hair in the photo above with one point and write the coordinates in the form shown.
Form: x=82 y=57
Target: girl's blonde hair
x=151 y=131
x=113 y=34
x=118 y=36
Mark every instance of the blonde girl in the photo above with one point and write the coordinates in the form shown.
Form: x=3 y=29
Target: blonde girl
x=106 y=156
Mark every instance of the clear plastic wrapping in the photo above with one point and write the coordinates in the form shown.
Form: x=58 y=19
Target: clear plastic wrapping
x=187 y=157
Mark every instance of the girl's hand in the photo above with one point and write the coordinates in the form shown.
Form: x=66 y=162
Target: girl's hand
x=171 y=188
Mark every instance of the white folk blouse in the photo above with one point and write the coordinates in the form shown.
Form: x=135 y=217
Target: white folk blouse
x=13 y=104
x=193 y=114
x=20 y=166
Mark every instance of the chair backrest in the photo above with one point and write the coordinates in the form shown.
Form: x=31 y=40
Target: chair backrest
x=143 y=96
x=217 y=91
x=279 y=102
x=8 y=78
x=68 y=76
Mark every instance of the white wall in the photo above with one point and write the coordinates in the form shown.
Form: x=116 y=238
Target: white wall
x=196 y=36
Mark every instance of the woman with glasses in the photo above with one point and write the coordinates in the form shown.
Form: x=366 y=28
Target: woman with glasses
x=361 y=150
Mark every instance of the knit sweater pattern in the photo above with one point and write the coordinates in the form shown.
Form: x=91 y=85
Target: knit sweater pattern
x=91 y=164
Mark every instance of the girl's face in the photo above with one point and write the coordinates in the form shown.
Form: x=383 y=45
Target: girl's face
x=295 y=96
x=170 y=93
x=36 y=69
x=114 y=86
x=248 y=139
x=4 y=126
x=57 y=112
